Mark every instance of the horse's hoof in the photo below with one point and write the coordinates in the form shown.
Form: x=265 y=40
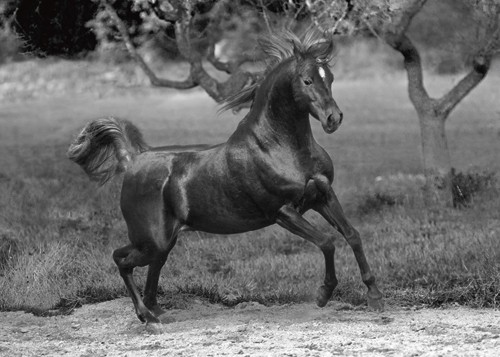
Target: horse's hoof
x=376 y=304
x=323 y=295
x=148 y=317
x=157 y=310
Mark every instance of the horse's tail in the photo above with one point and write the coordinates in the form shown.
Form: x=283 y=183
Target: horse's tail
x=105 y=147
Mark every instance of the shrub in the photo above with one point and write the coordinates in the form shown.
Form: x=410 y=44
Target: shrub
x=465 y=185
x=376 y=202
x=391 y=190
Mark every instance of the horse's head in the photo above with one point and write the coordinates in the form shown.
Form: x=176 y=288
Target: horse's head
x=312 y=85
x=303 y=63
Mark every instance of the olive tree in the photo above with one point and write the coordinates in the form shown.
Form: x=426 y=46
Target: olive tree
x=390 y=21
x=434 y=112
x=196 y=28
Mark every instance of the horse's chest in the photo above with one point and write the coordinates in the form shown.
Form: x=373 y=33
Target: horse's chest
x=291 y=179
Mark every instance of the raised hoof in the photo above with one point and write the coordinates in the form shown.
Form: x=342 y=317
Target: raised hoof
x=376 y=304
x=323 y=294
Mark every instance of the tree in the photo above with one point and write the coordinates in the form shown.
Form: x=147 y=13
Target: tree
x=54 y=27
x=433 y=112
x=390 y=21
x=196 y=27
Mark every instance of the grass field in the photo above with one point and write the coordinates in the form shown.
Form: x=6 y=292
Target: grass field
x=58 y=230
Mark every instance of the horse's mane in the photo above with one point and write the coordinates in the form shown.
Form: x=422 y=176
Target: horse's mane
x=278 y=47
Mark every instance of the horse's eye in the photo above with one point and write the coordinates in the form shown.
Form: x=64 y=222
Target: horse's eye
x=308 y=81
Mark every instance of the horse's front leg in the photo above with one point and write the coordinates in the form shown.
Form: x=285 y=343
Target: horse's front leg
x=290 y=219
x=332 y=211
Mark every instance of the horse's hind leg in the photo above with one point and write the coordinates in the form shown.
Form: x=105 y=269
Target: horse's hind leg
x=127 y=258
x=290 y=219
x=332 y=211
x=151 y=289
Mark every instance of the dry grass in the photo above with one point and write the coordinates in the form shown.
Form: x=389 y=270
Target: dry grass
x=65 y=229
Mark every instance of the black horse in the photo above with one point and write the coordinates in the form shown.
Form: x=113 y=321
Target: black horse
x=271 y=170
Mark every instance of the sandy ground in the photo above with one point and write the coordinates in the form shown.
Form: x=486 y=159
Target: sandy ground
x=251 y=329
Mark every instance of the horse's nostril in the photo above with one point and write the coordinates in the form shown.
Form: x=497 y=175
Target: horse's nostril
x=332 y=118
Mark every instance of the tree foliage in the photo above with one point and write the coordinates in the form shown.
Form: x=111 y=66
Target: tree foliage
x=8 y=8
x=194 y=29
x=54 y=27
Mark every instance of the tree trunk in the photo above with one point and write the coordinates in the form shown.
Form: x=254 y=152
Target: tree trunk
x=432 y=114
x=437 y=166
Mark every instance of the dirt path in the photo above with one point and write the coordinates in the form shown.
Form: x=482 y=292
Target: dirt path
x=250 y=329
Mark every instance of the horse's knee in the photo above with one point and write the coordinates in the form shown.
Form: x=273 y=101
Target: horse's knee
x=130 y=257
x=119 y=255
x=353 y=238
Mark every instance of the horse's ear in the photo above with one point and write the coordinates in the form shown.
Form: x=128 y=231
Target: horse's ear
x=297 y=51
x=323 y=50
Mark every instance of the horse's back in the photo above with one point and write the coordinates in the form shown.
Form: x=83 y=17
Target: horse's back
x=182 y=148
x=151 y=170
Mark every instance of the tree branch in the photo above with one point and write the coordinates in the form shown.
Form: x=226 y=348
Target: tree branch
x=228 y=67
x=237 y=80
x=402 y=18
x=209 y=84
x=217 y=90
x=413 y=65
x=480 y=67
x=221 y=66
x=442 y=107
x=348 y=8
x=264 y=14
x=159 y=82
x=214 y=14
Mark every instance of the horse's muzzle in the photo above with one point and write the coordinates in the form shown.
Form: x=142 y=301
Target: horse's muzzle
x=332 y=122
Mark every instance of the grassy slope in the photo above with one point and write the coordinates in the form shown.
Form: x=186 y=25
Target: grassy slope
x=66 y=229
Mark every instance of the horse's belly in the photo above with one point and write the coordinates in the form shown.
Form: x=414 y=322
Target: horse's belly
x=226 y=225
x=218 y=213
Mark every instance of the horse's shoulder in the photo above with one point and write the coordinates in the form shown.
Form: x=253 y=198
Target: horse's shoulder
x=323 y=162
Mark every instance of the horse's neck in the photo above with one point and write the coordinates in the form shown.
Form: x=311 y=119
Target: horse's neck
x=282 y=119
